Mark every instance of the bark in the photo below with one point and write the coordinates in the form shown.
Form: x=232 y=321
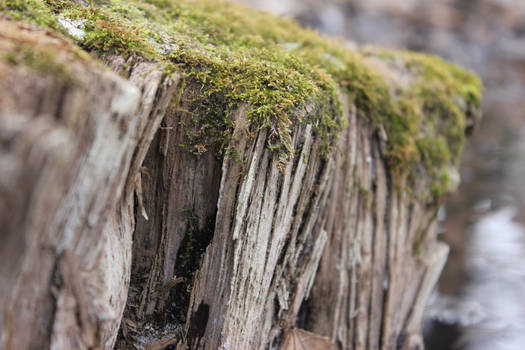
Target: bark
x=67 y=212
x=114 y=234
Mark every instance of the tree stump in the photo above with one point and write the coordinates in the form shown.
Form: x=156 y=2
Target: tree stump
x=156 y=194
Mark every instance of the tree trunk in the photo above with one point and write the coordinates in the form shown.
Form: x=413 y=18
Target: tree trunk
x=115 y=234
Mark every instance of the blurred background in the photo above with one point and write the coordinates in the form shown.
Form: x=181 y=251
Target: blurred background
x=480 y=301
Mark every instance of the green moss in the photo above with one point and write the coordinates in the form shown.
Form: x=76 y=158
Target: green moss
x=41 y=60
x=35 y=11
x=236 y=57
x=426 y=124
x=233 y=56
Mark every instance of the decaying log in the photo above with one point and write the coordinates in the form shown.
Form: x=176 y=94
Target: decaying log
x=117 y=234
x=68 y=147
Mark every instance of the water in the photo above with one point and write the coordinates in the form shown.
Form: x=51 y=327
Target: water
x=480 y=302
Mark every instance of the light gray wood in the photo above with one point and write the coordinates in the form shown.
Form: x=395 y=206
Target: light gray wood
x=115 y=236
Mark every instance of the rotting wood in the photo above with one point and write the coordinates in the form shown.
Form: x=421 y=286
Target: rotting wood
x=68 y=166
x=117 y=235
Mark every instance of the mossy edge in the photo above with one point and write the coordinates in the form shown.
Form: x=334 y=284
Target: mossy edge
x=272 y=66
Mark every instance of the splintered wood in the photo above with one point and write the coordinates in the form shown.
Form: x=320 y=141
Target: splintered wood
x=67 y=184
x=298 y=339
x=110 y=225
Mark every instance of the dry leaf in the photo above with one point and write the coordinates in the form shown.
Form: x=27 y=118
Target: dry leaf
x=162 y=343
x=298 y=339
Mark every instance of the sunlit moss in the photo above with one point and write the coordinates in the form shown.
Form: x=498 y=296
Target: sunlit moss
x=237 y=56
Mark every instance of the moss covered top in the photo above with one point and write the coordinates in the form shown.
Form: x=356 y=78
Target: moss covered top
x=271 y=65
x=39 y=52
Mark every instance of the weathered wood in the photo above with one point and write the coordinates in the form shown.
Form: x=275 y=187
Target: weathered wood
x=383 y=281
x=117 y=232
x=68 y=149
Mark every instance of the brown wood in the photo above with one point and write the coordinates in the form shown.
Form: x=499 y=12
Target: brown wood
x=115 y=236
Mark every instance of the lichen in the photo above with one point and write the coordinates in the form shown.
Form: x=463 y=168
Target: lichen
x=237 y=56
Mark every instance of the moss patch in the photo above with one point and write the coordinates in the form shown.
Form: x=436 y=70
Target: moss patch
x=426 y=121
x=42 y=61
x=237 y=56
x=40 y=51
x=35 y=11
